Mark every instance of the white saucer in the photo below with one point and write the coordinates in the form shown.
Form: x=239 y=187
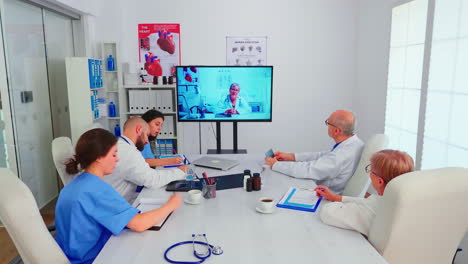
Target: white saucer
x=191 y=202
x=264 y=212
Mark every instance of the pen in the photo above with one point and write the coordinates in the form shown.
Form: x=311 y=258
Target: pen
x=186 y=161
x=196 y=176
x=173 y=166
x=206 y=178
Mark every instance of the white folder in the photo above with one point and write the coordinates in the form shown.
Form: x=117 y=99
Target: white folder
x=169 y=125
x=146 y=100
x=138 y=105
x=131 y=101
x=159 y=100
x=152 y=99
x=167 y=101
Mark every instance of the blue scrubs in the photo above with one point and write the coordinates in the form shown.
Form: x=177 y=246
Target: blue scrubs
x=147 y=153
x=88 y=212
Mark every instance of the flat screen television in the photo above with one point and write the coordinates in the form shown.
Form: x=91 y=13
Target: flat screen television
x=224 y=93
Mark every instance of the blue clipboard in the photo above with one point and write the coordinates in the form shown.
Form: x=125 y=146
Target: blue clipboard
x=297 y=206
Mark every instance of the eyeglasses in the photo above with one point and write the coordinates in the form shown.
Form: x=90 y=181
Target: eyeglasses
x=236 y=90
x=368 y=170
x=328 y=124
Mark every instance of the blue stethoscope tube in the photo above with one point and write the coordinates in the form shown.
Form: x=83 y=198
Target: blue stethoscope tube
x=201 y=259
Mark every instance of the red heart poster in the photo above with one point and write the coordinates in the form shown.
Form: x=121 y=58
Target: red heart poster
x=159 y=48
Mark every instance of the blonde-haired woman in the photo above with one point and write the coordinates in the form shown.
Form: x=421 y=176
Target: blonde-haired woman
x=358 y=213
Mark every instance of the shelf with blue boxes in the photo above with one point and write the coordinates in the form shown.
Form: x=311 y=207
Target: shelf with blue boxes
x=95 y=73
x=95 y=83
x=165 y=147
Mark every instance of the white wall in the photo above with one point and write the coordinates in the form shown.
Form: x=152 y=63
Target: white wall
x=374 y=25
x=312 y=45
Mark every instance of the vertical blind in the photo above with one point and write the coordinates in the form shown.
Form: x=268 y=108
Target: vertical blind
x=404 y=75
x=445 y=127
x=445 y=141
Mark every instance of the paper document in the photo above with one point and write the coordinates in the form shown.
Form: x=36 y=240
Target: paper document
x=146 y=205
x=300 y=199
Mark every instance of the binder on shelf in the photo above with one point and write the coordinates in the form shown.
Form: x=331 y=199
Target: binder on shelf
x=166 y=102
x=301 y=199
x=142 y=101
x=158 y=100
x=153 y=99
x=168 y=127
x=138 y=104
x=131 y=101
x=146 y=100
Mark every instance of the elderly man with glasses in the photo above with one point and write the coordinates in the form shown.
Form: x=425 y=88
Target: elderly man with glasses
x=331 y=168
x=233 y=104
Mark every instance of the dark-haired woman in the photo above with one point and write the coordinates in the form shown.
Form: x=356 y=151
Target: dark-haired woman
x=88 y=209
x=155 y=120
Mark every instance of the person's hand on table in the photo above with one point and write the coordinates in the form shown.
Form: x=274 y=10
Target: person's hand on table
x=231 y=111
x=184 y=168
x=175 y=201
x=327 y=194
x=172 y=161
x=282 y=156
x=270 y=161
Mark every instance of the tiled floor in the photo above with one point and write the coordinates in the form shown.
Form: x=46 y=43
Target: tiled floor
x=7 y=248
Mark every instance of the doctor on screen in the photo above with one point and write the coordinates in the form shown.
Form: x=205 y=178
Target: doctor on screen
x=234 y=104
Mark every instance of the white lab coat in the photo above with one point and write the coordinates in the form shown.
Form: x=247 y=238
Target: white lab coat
x=242 y=106
x=329 y=168
x=353 y=213
x=132 y=171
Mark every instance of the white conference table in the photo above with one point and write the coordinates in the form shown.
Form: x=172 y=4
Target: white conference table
x=246 y=236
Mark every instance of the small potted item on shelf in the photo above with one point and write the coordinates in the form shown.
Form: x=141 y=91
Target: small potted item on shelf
x=145 y=78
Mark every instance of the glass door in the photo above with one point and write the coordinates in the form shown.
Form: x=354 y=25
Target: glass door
x=36 y=80
x=59 y=44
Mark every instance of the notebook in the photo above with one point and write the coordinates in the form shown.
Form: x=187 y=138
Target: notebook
x=215 y=163
x=148 y=204
x=300 y=199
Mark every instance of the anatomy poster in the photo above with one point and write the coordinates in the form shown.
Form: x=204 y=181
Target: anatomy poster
x=246 y=51
x=159 y=48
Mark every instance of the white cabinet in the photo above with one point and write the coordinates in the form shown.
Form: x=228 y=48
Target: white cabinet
x=84 y=84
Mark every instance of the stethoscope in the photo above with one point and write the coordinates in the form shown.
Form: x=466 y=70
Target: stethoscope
x=216 y=250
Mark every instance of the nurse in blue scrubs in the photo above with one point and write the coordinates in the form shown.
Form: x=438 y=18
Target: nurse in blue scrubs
x=89 y=210
x=155 y=120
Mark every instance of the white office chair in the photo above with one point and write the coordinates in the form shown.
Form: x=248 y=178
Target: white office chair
x=423 y=217
x=62 y=150
x=21 y=217
x=359 y=183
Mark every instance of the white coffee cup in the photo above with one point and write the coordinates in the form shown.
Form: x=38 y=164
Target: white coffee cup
x=194 y=196
x=266 y=204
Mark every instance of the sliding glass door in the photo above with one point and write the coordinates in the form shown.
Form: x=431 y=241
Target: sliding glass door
x=36 y=42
